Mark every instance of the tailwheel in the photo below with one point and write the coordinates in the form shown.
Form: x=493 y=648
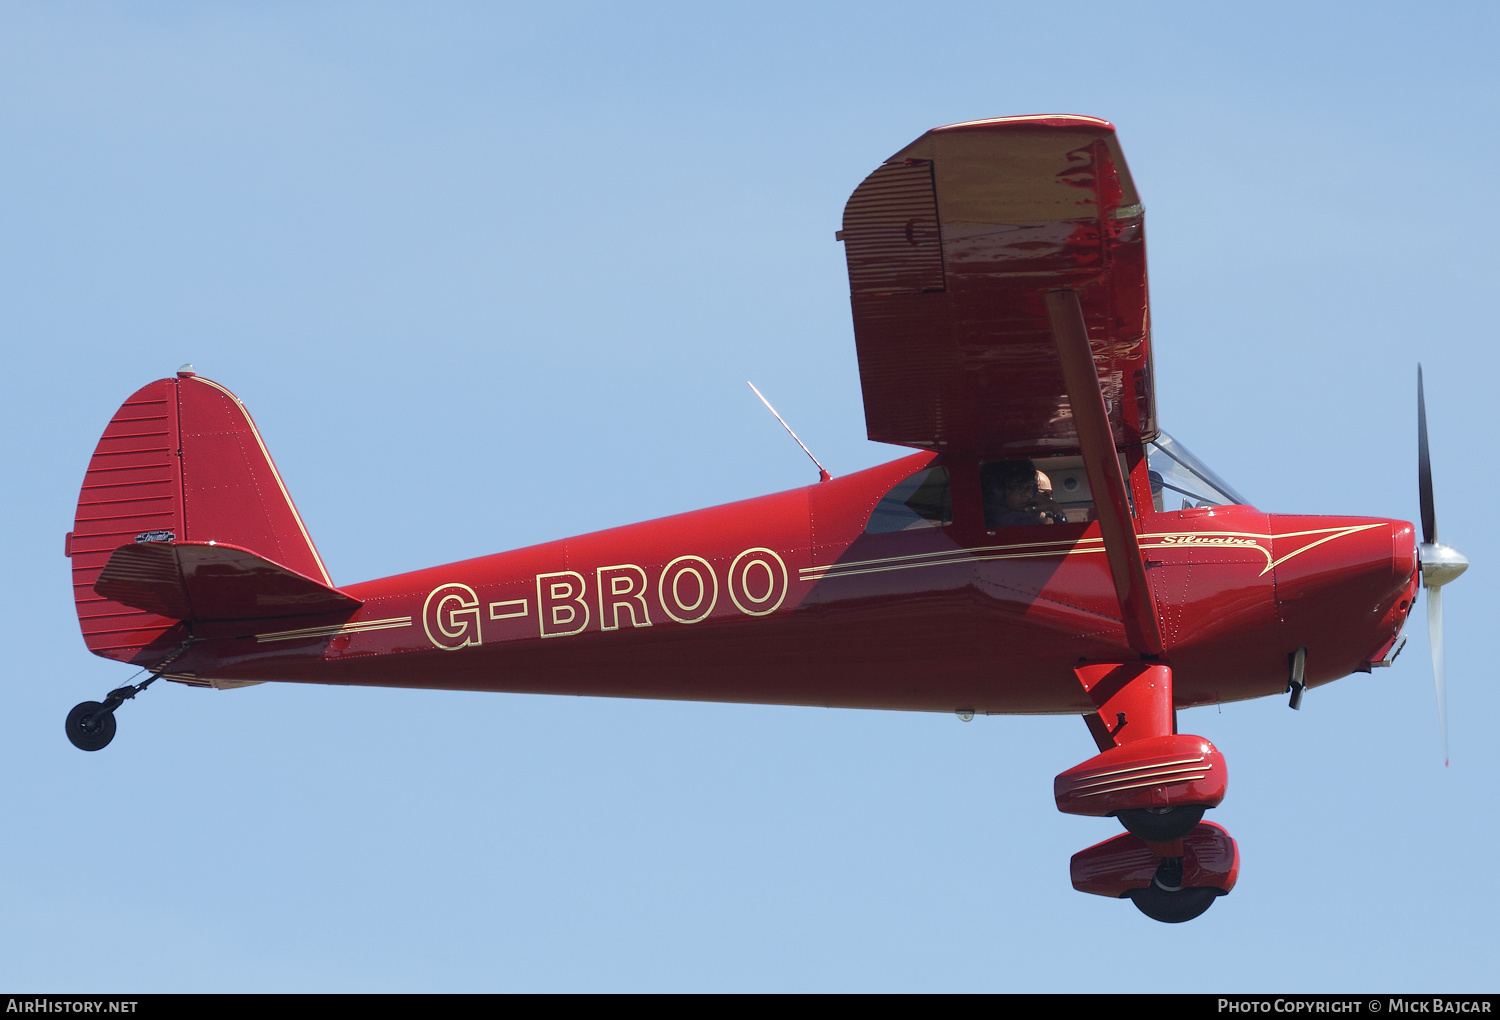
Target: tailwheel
x=1161 y=825
x=1166 y=900
x=90 y=727
x=91 y=724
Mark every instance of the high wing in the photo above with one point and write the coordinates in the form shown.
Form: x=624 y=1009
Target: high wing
x=952 y=245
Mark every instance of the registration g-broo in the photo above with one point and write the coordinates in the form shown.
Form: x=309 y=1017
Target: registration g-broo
x=686 y=590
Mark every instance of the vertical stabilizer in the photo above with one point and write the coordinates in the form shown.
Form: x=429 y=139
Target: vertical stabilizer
x=180 y=461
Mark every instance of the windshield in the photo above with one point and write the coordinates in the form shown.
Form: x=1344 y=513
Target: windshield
x=1177 y=477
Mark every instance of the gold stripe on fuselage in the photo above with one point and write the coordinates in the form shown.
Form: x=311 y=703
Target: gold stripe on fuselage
x=1032 y=550
x=358 y=627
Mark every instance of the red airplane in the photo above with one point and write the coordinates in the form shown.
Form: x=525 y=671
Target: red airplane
x=1048 y=550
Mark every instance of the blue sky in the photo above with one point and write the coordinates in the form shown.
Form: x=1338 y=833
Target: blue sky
x=490 y=275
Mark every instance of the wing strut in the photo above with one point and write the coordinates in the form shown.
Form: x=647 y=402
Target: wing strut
x=1102 y=462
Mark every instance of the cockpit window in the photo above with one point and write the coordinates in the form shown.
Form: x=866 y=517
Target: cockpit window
x=1051 y=490
x=1177 y=477
x=922 y=501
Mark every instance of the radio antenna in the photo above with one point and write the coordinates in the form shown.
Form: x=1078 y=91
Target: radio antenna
x=823 y=474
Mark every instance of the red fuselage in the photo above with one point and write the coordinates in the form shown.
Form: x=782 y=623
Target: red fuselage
x=785 y=599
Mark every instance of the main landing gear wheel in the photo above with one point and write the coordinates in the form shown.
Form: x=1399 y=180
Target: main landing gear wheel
x=1166 y=900
x=88 y=730
x=1161 y=825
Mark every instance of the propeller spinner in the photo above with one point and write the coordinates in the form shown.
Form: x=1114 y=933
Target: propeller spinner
x=1440 y=564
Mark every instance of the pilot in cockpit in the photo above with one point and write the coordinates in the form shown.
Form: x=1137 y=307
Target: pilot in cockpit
x=1017 y=494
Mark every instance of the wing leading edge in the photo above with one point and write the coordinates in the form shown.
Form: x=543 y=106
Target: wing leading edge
x=952 y=245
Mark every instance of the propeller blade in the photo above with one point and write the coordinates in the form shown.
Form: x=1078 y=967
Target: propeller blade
x=1424 y=469
x=1435 y=636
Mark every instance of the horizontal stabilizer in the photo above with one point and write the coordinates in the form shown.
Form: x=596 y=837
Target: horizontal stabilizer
x=212 y=581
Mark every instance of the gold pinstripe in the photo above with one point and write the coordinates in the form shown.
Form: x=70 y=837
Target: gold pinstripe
x=1031 y=550
x=332 y=631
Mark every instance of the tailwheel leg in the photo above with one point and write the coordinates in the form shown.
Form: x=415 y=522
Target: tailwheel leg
x=91 y=724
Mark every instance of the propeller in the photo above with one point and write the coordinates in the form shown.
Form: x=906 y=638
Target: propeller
x=1440 y=564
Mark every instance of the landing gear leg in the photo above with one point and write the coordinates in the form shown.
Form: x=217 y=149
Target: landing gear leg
x=1157 y=782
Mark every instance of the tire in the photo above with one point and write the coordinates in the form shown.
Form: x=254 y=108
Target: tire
x=1174 y=823
x=1173 y=907
x=86 y=739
